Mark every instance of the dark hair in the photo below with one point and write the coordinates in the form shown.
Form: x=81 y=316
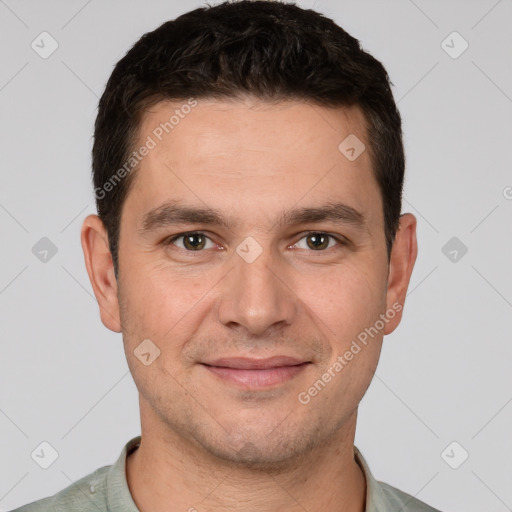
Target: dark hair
x=270 y=50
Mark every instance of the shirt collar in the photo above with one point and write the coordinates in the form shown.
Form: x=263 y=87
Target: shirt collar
x=376 y=500
x=119 y=498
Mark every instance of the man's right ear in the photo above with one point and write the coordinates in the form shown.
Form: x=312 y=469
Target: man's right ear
x=98 y=261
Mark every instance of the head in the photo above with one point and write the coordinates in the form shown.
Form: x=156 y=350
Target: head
x=248 y=168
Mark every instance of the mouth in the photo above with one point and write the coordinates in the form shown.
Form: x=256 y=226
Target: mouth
x=250 y=373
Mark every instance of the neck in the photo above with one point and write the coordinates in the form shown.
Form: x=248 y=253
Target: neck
x=168 y=469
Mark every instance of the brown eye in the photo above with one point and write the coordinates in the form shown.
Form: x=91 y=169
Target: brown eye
x=191 y=241
x=318 y=241
x=194 y=241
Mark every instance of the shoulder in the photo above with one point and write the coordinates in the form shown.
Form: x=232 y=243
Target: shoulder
x=383 y=497
x=88 y=493
x=400 y=500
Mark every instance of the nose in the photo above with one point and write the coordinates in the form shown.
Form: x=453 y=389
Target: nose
x=257 y=295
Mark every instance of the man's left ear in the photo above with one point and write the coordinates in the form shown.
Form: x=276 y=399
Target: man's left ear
x=403 y=257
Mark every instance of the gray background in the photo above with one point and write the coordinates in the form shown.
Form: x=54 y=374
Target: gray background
x=444 y=375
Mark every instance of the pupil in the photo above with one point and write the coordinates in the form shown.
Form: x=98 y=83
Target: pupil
x=189 y=240
x=317 y=240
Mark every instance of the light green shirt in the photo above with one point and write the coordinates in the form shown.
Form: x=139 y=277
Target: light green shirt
x=106 y=490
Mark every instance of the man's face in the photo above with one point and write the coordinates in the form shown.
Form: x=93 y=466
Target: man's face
x=221 y=301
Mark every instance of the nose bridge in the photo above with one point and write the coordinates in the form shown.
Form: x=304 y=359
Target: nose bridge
x=254 y=295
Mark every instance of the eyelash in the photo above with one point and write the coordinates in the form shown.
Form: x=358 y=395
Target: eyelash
x=169 y=241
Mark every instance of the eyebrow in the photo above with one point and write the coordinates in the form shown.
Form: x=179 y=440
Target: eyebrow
x=173 y=213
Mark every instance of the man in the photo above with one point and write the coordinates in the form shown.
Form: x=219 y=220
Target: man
x=248 y=168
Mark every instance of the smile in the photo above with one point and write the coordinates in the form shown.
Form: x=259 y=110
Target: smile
x=256 y=373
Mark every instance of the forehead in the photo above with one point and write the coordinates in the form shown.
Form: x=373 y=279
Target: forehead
x=203 y=123
x=239 y=153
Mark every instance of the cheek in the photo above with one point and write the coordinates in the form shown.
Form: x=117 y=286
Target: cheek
x=346 y=299
x=158 y=308
x=158 y=302
x=350 y=305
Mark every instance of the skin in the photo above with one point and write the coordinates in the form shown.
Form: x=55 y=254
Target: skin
x=206 y=443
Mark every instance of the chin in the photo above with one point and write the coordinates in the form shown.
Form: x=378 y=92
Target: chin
x=261 y=450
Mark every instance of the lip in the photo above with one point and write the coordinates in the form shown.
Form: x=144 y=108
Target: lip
x=250 y=373
x=248 y=363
